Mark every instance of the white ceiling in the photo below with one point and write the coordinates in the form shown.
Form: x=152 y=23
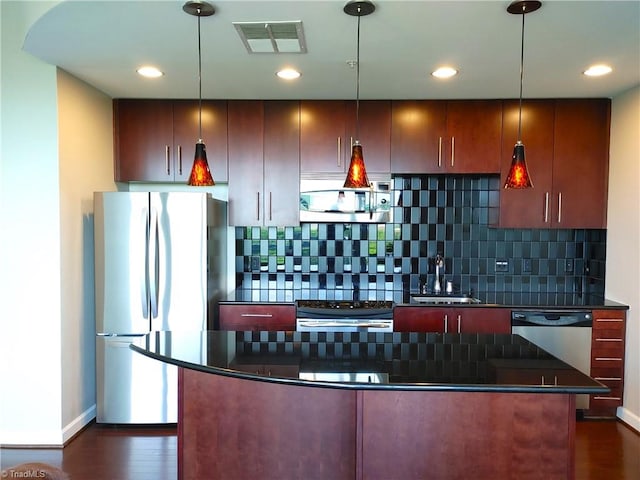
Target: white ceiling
x=103 y=42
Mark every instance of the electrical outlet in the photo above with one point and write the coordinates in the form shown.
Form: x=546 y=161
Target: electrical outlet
x=502 y=265
x=568 y=265
x=526 y=265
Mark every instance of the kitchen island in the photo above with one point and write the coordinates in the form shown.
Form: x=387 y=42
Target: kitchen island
x=291 y=405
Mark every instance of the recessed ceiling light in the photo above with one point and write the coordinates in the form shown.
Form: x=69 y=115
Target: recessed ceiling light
x=288 y=74
x=149 y=72
x=597 y=70
x=445 y=72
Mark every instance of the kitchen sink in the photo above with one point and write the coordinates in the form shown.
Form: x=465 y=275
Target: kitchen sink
x=444 y=299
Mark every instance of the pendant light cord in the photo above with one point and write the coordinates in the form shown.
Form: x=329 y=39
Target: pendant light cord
x=358 y=81
x=199 y=81
x=521 y=77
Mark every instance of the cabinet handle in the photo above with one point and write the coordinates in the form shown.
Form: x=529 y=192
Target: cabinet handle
x=603 y=359
x=258 y=205
x=459 y=322
x=439 y=152
x=166 y=159
x=446 y=321
x=339 y=148
x=608 y=339
x=180 y=160
x=546 y=207
x=270 y=206
x=453 y=150
x=559 y=207
x=609 y=320
x=262 y=315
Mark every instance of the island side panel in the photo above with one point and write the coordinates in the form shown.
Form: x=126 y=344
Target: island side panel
x=233 y=428
x=462 y=435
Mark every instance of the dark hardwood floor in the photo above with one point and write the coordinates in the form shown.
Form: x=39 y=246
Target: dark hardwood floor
x=605 y=450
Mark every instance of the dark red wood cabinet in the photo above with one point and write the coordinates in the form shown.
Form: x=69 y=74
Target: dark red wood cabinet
x=453 y=136
x=417 y=128
x=473 y=138
x=155 y=139
x=528 y=208
x=607 y=360
x=328 y=129
x=567 y=154
x=323 y=136
x=581 y=163
x=257 y=316
x=264 y=157
x=407 y=318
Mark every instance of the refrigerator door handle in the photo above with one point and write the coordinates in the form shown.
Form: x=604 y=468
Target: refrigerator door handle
x=144 y=278
x=153 y=263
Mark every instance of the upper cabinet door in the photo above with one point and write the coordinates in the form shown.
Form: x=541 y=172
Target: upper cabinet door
x=323 y=142
x=581 y=163
x=417 y=131
x=246 y=127
x=474 y=133
x=374 y=134
x=214 y=135
x=143 y=140
x=155 y=139
x=281 y=162
x=528 y=208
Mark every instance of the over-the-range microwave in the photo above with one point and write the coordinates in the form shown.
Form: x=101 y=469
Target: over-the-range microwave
x=326 y=200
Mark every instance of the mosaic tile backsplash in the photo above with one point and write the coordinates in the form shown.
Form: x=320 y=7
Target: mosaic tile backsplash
x=446 y=215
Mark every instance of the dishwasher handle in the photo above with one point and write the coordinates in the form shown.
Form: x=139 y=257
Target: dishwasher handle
x=552 y=318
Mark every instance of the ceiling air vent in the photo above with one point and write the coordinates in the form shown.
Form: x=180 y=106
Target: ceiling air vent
x=272 y=37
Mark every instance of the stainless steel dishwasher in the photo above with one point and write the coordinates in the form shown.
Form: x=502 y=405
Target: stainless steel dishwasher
x=564 y=334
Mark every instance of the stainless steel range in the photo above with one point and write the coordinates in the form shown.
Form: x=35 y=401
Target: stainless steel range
x=344 y=316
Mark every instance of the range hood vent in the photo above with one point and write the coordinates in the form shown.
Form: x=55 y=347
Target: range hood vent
x=272 y=37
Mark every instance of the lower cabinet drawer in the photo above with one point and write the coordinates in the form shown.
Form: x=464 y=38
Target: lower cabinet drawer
x=605 y=361
x=257 y=317
x=607 y=349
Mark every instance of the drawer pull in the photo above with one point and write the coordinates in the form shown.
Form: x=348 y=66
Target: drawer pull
x=608 y=339
x=266 y=315
x=607 y=398
x=602 y=359
x=610 y=379
x=609 y=319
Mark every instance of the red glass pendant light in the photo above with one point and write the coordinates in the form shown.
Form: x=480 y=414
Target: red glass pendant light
x=518 y=176
x=200 y=173
x=357 y=173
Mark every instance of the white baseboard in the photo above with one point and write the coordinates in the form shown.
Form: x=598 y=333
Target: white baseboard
x=48 y=438
x=78 y=423
x=629 y=418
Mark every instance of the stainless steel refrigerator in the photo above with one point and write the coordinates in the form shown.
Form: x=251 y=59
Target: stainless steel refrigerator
x=160 y=264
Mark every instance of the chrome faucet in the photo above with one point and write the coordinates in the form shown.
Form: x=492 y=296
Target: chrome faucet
x=439 y=264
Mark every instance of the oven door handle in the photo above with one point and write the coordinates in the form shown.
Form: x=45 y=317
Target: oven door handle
x=329 y=323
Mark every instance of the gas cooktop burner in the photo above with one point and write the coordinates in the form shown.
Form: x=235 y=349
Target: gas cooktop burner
x=345 y=304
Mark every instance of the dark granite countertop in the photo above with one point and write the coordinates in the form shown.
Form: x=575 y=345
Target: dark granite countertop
x=538 y=301
x=396 y=361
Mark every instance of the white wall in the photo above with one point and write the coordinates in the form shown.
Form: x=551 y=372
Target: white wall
x=85 y=126
x=623 y=238
x=30 y=310
x=56 y=150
